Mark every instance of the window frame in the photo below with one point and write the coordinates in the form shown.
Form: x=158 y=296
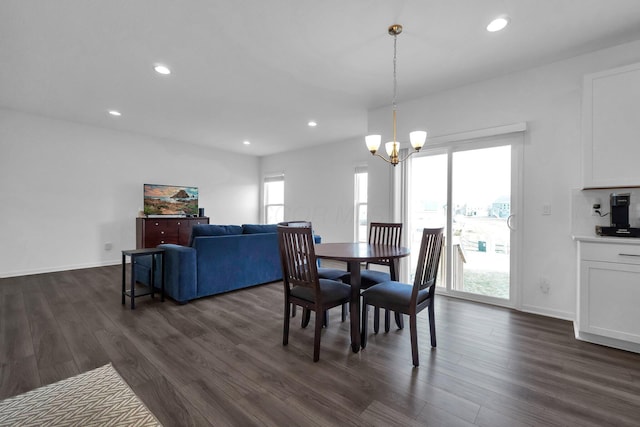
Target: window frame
x=266 y=206
x=359 y=234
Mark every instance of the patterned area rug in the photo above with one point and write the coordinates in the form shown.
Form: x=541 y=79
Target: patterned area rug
x=96 y=398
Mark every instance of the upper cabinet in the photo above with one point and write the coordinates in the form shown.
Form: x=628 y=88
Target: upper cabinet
x=611 y=128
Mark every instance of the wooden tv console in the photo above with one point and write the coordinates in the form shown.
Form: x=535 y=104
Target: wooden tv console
x=151 y=232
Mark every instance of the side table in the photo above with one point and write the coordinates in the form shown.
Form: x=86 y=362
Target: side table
x=134 y=254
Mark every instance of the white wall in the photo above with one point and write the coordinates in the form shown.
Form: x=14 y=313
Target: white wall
x=67 y=189
x=548 y=98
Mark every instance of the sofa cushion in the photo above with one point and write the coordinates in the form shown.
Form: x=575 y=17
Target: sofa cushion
x=213 y=230
x=259 y=228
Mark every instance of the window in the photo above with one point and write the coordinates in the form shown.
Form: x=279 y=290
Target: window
x=361 y=185
x=273 y=199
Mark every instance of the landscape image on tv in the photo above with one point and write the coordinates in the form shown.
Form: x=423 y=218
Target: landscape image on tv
x=170 y=200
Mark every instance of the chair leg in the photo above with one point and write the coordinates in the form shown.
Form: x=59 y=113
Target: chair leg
x=376 y=319
x=432 y=324
x=306 y=316
x=345 y=309
x=399 y=320
x=365 y=322
x=326 y=318
x=294 y=308
x=414 y=338
x=285 y=330
x=387 y=320
x=318 y=334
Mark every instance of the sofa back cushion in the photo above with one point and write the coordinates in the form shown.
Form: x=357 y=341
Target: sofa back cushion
x=213 y=230
x=259 y=228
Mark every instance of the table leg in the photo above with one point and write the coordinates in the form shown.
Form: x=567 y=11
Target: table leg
x=133 y=282
x=394 y=268
x=153 y=274
x=354 y=269
x=162 y=277
x=124 y=278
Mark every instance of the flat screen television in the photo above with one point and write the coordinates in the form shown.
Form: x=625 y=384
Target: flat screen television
x=170 y=200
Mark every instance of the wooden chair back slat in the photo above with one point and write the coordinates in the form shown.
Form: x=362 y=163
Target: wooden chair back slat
x=428 y=259
x=382 y=233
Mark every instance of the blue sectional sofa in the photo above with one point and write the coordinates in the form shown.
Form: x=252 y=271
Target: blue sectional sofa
x=221 y=258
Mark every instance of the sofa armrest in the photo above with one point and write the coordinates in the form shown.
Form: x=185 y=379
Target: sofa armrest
x=180 y=272
x=317 y=239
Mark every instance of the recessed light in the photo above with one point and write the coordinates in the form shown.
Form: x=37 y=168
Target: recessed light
x=498 y=24
x=312 y=124
x=246 y=142
x=162 y=69
x=115 y=113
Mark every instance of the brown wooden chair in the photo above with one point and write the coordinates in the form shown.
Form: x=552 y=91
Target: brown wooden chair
x=408 y=299
x=302 y=286
x=323 y=273
x=381 y=233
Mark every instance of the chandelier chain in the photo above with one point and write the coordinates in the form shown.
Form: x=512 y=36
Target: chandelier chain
x=395 y=85
x=395 y=79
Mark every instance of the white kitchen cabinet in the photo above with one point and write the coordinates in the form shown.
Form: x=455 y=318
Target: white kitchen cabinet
x=608 y=309
x=610 y=128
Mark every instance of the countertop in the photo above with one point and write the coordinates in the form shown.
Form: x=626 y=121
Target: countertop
x=607 y=239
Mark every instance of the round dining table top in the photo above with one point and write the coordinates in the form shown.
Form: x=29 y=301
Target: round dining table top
x=354 y=251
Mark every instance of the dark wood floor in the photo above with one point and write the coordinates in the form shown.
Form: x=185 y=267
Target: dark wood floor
x=219 y=360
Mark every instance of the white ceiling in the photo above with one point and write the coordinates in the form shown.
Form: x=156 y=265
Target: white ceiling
x=259 y=70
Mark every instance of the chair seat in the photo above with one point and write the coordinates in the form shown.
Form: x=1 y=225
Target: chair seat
x=368 y=278
x=393 y=294
x=331 y=273
x=331 y=290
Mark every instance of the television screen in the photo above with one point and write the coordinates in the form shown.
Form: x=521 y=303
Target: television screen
x=170 y=200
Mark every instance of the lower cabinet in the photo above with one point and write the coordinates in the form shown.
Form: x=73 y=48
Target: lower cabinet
x=609 y=293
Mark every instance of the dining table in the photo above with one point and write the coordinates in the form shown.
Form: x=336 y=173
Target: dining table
x=354 y=254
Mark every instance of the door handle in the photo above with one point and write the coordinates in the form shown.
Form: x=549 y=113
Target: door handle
x=633 y=255
x=509 y=224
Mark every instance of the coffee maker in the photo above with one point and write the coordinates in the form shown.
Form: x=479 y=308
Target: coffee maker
x=619 y=213
x=619 y=210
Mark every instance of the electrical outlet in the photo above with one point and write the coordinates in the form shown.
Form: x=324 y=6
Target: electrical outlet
x=546 y=209
x=595 y=209
x=545 y=285
x=108 y=246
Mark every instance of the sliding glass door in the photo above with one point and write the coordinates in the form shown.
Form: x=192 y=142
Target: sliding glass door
x=469 y=189
x=481 y=198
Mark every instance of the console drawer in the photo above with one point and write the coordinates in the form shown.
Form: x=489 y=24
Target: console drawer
x=626 y=253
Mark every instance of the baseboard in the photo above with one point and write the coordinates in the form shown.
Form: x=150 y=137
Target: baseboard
x=563 y=315
x=606 y=341
x=17 y=273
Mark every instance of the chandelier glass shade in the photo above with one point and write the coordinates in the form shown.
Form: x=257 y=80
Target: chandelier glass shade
x=417 y=138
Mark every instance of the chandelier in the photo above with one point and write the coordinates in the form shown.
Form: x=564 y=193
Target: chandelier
x=417 y=138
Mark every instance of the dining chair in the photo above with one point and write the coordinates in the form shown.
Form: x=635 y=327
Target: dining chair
x=381 y=233
x=323 y=273
x=302 y=286
x=410 y=299
x=332 y=274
